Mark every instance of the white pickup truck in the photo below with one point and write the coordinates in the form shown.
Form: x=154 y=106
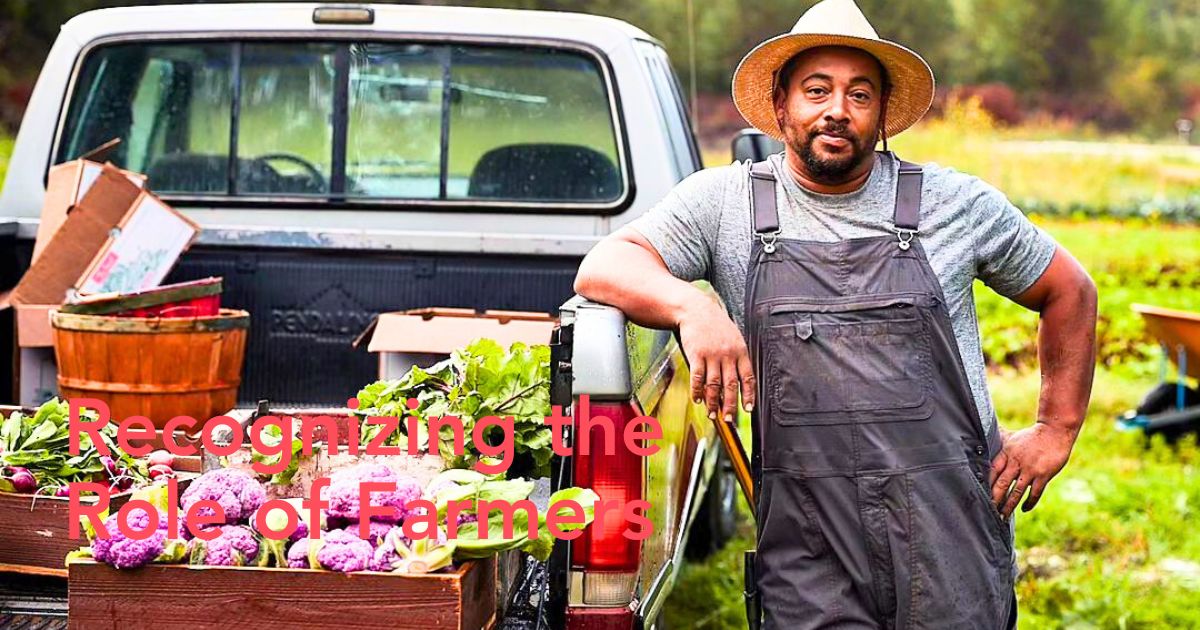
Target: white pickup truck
x=346 y=161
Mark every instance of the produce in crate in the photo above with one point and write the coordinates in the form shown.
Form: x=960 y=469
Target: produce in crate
x=123 y=552
x=340 y=550
x=236 y=546
x=343 y=493
x=470 y=541
x=482 y=379
x=238 y=494
x=35 y=454
x=336 y=544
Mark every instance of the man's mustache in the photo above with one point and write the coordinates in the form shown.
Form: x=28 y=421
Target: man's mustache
x=836 y=131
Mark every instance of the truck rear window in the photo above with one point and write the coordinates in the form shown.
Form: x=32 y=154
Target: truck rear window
x=351 y=121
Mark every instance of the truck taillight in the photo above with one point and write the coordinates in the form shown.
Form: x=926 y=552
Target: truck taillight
x=604 y=562
x=615 y=478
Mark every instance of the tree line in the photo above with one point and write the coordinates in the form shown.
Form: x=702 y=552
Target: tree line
x=1119 y=64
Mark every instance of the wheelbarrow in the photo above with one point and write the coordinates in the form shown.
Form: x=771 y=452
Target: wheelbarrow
x=1172 y=408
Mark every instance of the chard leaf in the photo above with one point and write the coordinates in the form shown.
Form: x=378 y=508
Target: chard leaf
x=11 y=431
x=44 y=431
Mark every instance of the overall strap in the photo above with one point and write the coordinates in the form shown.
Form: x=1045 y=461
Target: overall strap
x=762 y=199
x=908 y=197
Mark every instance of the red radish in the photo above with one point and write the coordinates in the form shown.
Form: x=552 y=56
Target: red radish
x=22 y=480
x=161 y=470
x=63 y=491
x=161 y=458
x=110 y=465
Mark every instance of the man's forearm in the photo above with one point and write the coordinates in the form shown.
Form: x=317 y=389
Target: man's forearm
x=626 y=276
x=1067 y=354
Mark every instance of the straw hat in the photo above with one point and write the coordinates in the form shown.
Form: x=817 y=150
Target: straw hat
x=832 y=23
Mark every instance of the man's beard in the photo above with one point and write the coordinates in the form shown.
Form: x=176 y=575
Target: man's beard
x=828 y=169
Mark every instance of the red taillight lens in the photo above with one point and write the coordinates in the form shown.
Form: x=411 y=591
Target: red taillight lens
x=615 y=478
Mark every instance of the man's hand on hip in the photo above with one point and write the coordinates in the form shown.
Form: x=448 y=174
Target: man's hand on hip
x=718 y=358
x=1030 y=458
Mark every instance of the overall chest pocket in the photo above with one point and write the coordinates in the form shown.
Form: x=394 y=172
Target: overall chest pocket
x=849 y=360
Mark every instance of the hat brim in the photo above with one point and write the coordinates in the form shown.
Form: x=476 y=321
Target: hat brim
x=754 y=80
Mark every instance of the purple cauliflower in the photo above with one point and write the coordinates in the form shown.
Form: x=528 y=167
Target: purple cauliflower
x=344 y=489
x=300 y=532
x=127 y=553
x=235 y=547
x=297 y=554
x=238 y=494
x=345 y=552
x=378 y=531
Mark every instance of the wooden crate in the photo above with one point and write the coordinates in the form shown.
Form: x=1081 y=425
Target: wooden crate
x=35 y=534
x=35 y=531
x=249 y=597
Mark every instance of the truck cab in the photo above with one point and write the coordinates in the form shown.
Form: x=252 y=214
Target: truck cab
x=347 y=161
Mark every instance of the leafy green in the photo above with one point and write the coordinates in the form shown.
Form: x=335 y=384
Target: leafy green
x=470 y=545
x=482 y=379
x=469 y=485
x=272 y=435
x=41 y=443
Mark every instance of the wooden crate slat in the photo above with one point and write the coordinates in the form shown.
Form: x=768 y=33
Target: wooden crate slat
x=102 y=597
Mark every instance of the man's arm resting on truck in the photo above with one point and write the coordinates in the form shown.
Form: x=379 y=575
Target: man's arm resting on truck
x=1065 y=296
x=625 y=271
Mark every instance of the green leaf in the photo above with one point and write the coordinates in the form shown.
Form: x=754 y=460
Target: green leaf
x=83 y=553
x=198 y=554
x=585 y=497
x=11 y=431
x=32 y=457
x=314 y=548
x=507 y=491
x=86 y=523
x=173 y=552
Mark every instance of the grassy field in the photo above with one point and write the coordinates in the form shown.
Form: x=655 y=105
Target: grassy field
x=1038 y=166
x=1131 y=263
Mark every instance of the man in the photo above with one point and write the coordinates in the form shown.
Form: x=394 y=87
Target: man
x=849 y=331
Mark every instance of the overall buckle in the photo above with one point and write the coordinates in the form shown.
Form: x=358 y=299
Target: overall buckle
x=906 y=236
x=768 y=240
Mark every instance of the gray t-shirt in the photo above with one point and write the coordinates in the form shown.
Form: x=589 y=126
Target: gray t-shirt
x=968 y=229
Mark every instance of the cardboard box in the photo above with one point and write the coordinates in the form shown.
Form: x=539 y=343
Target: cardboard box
x=33 y=325
x=66 y=186
x=117 y=238
x=426 y=336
